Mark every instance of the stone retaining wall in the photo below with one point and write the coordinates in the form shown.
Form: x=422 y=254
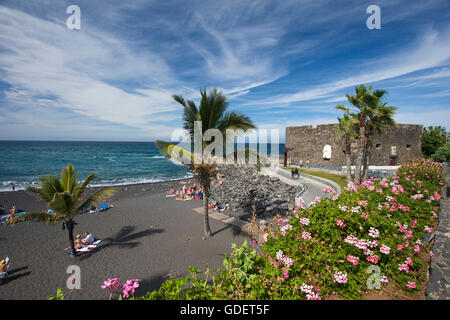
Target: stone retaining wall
x=438 y=286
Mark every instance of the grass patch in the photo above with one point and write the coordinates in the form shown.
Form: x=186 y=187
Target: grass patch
x=340 y=180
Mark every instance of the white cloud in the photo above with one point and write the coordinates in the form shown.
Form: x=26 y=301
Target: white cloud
x=42 y=58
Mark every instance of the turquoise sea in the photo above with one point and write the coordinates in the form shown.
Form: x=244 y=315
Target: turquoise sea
x=116 y=163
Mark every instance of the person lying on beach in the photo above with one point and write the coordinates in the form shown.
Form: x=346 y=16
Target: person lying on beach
x=88 y=238
x=3 y=266
x=78 y=244
x=171 y=191
x=12 y=213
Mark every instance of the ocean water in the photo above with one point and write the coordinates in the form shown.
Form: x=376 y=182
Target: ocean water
x=116 y=163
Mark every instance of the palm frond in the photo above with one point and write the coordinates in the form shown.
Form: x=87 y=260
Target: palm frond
x=96 y=197
x=38 y=217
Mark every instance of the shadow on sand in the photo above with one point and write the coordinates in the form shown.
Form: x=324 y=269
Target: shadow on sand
x=13 y=274
x=150 y=284
x=125 y=238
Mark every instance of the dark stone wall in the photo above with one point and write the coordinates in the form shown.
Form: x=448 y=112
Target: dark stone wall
x=307 y=143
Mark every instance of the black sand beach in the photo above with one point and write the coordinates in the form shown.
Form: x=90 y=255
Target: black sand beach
x=146 y=236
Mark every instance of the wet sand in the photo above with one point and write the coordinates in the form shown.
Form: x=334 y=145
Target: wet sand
x=146 y=236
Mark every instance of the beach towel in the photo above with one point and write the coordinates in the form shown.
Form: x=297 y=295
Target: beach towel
x=104 y=207
x=170 y=195
x=88 y=247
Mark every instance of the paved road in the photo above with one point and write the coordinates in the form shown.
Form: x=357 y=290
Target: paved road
x=314 y=188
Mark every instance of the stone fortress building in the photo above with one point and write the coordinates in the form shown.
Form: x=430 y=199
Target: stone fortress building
x=320 y=146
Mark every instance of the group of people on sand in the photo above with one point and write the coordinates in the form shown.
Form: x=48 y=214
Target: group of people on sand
x=187 y=192
x=79 y=242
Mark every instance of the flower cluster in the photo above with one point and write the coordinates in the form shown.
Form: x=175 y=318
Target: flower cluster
x=310 y=294
x=285 y=228
x=353 y=260
x=115 y=287
x=340 y=223
x=374 y=233
x=288 y=262
x=340 y=277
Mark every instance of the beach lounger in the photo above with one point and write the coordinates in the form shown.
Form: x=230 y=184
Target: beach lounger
x=170 y=195
x=88 y=247
x=104 y=207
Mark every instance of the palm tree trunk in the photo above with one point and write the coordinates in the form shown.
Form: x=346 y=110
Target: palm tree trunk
x=348 y=159
x=360 y=154
x=366 y=159
x=70 y=226
x=206 y=227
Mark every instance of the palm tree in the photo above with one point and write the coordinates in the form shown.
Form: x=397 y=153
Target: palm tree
x=365 y=102
x=347 y=128
x=66 y=198
x=213 y=115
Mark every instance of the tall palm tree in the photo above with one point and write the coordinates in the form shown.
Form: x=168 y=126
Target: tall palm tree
x=347 y=128
x=212 y=112
x=65 y=197
x=364 y=101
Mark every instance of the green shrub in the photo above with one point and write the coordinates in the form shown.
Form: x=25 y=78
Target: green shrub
x=333 y=247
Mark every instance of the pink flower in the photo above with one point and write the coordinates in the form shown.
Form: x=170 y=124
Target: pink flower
x=373 y=259
x=340 y=277
x=340 y=223
x=113 y=285
x=304 y=221
x=306 y=235
x=400 y=247
x=374 y=233
x=411 y=285
x=362 y=203
x=403 y=267
x=353 y=260
x=385 y=249
x=409 y=261
x=285 y=228
x=129 y=287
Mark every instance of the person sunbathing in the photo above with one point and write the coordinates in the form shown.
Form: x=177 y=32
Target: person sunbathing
x=78 y=244
x=12 y=213
x=171 y=191
x=88 y=238
x=3 y=266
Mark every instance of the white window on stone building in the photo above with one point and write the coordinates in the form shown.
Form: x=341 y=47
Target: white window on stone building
x=327 y=152
x=393 y=150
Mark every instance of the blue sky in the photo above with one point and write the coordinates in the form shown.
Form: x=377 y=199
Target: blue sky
x=284 y=63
